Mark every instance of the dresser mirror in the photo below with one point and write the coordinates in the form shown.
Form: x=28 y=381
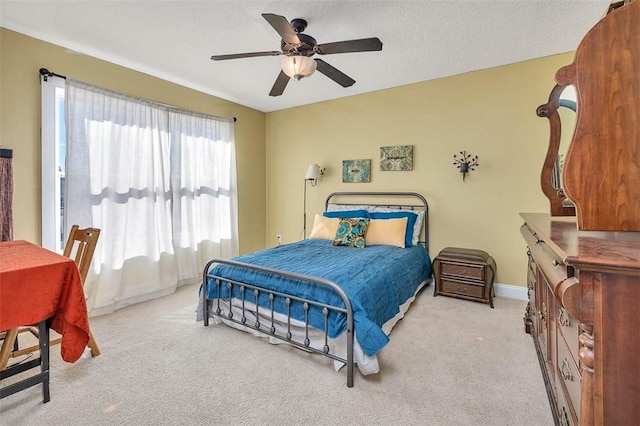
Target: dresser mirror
x=567 y=113
x=560 y=110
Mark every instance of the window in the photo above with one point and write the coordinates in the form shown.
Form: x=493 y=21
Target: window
x=53 y=162
x=158 y=181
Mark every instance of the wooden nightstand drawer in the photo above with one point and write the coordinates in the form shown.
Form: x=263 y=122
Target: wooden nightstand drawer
x=463 y=288
x=463 y=270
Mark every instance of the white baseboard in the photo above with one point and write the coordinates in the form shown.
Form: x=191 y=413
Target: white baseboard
x=511 y=291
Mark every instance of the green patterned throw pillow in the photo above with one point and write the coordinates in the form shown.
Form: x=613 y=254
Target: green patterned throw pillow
x=351 y=232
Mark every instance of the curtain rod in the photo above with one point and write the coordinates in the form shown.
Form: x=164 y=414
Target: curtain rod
x=46 y=73
x=6 y=153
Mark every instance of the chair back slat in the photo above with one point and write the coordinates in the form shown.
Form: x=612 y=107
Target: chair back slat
x=82 y=242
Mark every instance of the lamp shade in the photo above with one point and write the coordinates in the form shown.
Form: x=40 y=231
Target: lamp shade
x=297 y=66
x=313 y=172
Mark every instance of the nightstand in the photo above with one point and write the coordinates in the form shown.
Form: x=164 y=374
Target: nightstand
x=465 y=274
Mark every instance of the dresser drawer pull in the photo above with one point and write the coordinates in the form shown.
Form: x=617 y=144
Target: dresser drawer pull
x=565 y=369
x=564 y=417
x=563 y=318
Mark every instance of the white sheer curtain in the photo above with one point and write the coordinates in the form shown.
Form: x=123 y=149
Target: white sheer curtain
x=159 y=182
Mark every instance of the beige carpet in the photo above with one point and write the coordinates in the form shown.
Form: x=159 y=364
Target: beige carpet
x=449 y=362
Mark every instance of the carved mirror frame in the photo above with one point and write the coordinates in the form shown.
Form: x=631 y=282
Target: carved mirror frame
x=560 y=205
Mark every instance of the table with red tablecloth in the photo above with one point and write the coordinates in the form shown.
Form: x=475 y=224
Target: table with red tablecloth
x=37 y=284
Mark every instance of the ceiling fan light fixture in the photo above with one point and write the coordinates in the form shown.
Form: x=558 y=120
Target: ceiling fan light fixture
x=297 y=66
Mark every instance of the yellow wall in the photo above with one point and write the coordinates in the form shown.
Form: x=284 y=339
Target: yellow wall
x=489 y=113
x=20 y=59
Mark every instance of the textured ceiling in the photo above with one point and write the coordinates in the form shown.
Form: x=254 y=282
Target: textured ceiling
x=422 y=40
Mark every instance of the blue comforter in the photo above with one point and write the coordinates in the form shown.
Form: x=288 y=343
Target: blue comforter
x=377 y=280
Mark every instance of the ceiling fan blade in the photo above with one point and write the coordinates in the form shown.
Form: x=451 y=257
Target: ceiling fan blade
x=360 y=45
x=280 y=84
x=334 y=74
x=282 y=26
x=245 y=55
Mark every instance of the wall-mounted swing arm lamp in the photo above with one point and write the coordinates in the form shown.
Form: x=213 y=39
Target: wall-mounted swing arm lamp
x=314 y=173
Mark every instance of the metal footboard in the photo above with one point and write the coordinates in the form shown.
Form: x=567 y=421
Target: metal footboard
x=213 y=307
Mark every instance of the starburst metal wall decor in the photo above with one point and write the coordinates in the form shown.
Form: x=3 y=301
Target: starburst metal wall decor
x=465 y=162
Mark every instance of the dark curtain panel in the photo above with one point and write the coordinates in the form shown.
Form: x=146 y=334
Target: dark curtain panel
x=6 y=194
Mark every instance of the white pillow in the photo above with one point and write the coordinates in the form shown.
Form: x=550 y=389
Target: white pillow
x=324 y=227
x=416 y=228
x=346 y=207
x=390 y=232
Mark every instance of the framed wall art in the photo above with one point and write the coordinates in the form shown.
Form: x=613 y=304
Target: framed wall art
x=396 y=158
x=356 y=171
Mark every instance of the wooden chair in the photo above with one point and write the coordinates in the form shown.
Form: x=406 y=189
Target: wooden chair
x=82 y=242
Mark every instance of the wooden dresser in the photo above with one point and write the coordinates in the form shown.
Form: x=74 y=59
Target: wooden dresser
x=584 y=317
x=584 y=271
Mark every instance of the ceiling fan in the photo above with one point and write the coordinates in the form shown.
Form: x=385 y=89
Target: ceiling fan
x=298 y=49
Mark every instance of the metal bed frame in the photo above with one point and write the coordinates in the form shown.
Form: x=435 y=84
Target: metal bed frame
x=213 y=307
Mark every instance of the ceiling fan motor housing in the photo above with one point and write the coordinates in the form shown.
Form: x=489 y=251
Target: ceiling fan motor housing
x=306 y=47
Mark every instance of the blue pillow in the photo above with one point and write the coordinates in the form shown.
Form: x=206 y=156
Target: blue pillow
x=411 y=221
x=349 y=214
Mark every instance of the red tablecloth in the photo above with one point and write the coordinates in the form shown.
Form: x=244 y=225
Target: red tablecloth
x=36 y=284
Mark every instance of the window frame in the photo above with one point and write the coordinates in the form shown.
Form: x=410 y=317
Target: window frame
x=52 y=90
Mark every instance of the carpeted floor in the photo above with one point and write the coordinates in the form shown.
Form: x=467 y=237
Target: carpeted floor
x=449 y=362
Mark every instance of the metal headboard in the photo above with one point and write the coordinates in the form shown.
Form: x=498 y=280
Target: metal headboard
x=408 y=201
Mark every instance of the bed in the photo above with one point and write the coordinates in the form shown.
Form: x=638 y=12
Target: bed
x=340 y=301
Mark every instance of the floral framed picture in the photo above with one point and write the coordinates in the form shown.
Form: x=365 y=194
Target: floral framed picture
x=396 y=158
x=356 y=171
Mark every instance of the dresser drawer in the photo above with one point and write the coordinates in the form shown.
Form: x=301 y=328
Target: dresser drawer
x=568 y=327
x=565 y=417
x=466 y=288
x=569 y=375
x=466 y=270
